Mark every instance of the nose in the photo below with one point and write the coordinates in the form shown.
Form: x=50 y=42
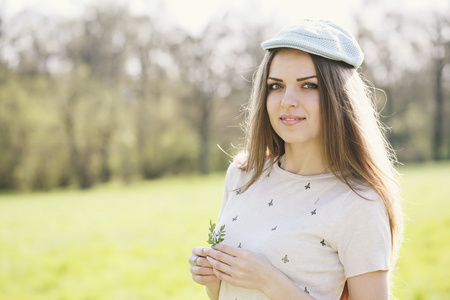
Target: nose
x=290 y=99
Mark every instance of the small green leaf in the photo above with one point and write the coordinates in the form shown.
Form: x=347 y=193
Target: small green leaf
x=213 y=237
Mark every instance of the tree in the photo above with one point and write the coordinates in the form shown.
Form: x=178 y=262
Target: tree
x=213 y=65
x=440 y=39
x=96 y=49
x=405 y=57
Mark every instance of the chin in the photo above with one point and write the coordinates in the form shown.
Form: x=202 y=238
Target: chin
x=302 y=141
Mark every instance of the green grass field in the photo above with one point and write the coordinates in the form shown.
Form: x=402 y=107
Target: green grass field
x=132 y=242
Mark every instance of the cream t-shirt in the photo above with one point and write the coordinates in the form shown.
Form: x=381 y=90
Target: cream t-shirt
x=314 y=229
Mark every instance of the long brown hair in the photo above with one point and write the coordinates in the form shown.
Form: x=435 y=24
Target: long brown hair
x=354 y=144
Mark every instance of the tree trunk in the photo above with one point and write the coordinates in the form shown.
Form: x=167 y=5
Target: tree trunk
x=439 y=111
x=204 y=132
x=105 y=171
x=79 y=160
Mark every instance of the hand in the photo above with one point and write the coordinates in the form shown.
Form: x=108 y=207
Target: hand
x=240 y=267
x=201 y=270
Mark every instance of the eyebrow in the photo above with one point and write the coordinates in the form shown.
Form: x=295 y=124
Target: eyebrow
x=298 y=79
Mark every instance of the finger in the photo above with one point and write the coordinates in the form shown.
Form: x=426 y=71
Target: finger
x=194 y=260
x=221 y=256
x=233 y=251
x=220 y=266
x=202 y=270
x=240 y=256
x=199 y=261
x=204 y=279
x=198 y=251
x=225 y=277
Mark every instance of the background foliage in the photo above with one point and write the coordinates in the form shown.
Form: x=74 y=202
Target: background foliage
x=111 y=95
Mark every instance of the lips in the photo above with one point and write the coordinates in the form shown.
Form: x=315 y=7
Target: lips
x=291 y=120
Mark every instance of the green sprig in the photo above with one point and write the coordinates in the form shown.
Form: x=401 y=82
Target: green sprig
x=213 y=237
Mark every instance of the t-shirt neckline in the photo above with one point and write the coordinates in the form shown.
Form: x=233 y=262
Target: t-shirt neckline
x=283 y=172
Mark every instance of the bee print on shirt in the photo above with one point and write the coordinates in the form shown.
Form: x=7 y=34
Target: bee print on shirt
x=285 y=259
x=306 y=290
x=238 y=192
x=235 y=218
x=308 y=186
x=275 y=228
x=322 y=242
x=239 y=246
x=314 y=212
x=270 y=203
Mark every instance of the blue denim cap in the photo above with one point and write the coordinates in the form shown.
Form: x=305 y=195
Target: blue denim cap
x=321 y=38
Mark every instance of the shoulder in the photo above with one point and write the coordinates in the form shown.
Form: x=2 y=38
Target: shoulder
x=361 y=233
x=240 y=163
x=240 y=160
x=365 y=197
x=237 y=167
x=362 y=210
x=365 y=191
x=363 y=205
x=236 y=177
x=238 y=173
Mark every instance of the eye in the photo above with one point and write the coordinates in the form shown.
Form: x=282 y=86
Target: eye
x=274 y=86
x=310 y=86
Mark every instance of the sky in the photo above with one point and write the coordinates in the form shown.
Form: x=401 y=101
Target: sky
x=192 y=15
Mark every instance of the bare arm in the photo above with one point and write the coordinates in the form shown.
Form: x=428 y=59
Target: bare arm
x=213 y=291
x=369 y=286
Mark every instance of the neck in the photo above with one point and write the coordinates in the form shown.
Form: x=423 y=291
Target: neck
x=303 y=160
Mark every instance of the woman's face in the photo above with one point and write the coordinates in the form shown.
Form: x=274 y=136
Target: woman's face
x=293 y=98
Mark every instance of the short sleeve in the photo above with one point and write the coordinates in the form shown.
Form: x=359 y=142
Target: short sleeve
x=362 y=235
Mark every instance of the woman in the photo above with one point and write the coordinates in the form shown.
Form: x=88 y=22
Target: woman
x=311 y=206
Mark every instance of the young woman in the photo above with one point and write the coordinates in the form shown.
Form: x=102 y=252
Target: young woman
x=311 y=205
